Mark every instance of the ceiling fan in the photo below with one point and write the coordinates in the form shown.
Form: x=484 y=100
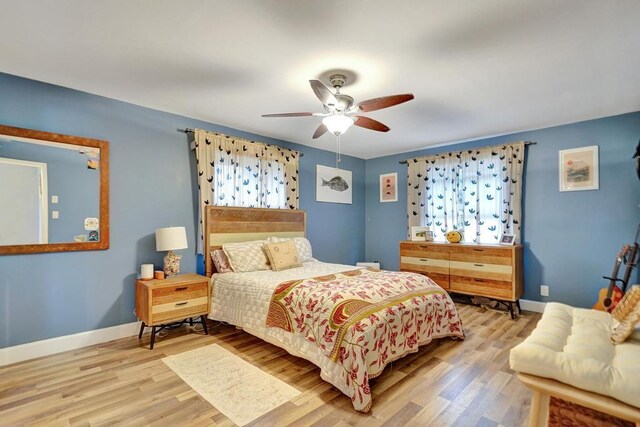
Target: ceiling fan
x=341 y=112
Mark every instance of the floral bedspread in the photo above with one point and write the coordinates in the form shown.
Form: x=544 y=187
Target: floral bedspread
x=365 y=318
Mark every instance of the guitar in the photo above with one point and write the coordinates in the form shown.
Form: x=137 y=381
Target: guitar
x=631 y=261
x=610 y=296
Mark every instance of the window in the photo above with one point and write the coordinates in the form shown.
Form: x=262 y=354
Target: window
x=473 y=191
x=238 y=172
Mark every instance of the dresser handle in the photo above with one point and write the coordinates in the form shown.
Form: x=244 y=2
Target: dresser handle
x=478 y=250
x=183 y=288
x=479 y=265
x=424 y=259
x=178 y=304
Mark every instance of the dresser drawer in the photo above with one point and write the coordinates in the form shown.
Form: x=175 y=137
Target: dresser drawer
x=482 y=287
x=424 y=250
x=482 y=254
x=423 y=264
x=480 y=270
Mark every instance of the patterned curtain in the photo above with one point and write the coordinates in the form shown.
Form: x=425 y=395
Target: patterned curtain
x=432 y=193
x=476 y=191
x=238 y=172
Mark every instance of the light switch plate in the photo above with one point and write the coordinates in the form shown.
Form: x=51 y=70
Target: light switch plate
x=54 y=199
x=544 y=290
x=55 y=214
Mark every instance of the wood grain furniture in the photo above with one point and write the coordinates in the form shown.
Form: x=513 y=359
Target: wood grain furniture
x=570 y=356
x=54 y=139
x=166 y=303
x=225 y=224
x=491 y=271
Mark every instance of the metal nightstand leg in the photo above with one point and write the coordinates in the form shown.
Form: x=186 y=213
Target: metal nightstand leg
x=141 y=330
x=153 y=337
x=203 y=319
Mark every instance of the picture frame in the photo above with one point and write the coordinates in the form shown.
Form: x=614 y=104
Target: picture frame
x=333 y=185
x=419 y=233
x=578 y=169
x=389 y=187
x=508 y=239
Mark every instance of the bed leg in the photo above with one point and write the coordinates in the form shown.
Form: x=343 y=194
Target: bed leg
x=539 y=412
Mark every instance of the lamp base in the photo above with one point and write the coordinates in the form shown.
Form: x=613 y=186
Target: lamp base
x=172 y=264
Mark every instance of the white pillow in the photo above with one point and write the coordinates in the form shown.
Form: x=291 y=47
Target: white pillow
x=247 y=256
x=303 y=246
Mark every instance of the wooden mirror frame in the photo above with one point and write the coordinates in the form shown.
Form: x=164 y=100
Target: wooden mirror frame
x=104 y=193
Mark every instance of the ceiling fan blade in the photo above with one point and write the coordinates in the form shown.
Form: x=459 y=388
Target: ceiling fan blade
x=287 y=115
x=367 y=123
x=320 y=131
x=384 y=102
x=323 y=93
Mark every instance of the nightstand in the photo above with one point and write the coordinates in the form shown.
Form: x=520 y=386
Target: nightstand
x=168 y=303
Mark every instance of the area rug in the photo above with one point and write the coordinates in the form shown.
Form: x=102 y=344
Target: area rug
x=234 y=387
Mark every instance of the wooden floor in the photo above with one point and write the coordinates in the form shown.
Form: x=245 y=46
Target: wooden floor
x=461 y=383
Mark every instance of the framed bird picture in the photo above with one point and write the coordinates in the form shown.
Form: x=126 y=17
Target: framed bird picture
x=389 y=187
x=333 y=185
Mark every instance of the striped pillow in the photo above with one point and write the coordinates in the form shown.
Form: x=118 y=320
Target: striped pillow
x=220 y=261
x=627 y=315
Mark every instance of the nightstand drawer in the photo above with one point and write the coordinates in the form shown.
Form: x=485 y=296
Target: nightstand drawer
x=181 y=289
x=180 y=309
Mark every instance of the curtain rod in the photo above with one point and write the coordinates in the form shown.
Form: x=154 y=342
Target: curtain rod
x=526 y=143
x=189 y=130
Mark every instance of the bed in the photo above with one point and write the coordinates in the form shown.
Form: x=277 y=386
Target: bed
x=350 y=322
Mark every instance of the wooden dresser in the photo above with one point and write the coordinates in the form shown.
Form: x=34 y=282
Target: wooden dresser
x=492 y=271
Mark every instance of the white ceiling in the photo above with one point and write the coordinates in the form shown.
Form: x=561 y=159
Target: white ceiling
x=477 y=68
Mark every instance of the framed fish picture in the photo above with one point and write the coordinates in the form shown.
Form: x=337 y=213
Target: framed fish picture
x=333 y=185
x=389 y=187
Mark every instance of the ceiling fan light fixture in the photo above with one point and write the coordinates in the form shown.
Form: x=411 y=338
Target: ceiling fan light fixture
x=337 y=123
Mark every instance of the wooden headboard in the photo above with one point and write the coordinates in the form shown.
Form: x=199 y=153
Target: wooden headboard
x=225 y=224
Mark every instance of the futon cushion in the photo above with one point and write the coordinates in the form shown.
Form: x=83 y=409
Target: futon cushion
x=303 y=246
x=573 y=346
x=282 y=255
x=246 y=256
x=626 y=315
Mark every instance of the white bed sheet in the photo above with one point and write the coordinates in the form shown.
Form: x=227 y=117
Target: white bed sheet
x=243 y=299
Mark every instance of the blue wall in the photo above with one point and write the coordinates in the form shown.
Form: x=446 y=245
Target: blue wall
x=69 y=178
x=570 y=238
x=152 y=177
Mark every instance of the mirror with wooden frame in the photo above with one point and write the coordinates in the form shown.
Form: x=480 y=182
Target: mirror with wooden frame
x=54 y=192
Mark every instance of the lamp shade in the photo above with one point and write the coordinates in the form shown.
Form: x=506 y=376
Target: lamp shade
x=337 y=123
x=171 y=238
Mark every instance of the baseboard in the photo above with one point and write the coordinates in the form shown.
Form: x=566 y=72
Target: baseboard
x=35 y=349
x=536 y=306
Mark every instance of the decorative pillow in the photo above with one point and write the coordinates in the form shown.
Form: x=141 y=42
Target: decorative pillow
x=627 y=314
x=246 y=256
x=220 y=261
x=282 y=255
x=302 y=246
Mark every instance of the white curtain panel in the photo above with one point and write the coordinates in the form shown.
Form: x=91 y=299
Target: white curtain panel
x=477 y=191
x=234 y=171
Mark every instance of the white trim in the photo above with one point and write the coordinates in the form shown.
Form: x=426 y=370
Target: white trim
x=529 y=305
x=42 y=348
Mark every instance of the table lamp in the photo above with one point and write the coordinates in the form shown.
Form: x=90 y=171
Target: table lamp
x=171 y=239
